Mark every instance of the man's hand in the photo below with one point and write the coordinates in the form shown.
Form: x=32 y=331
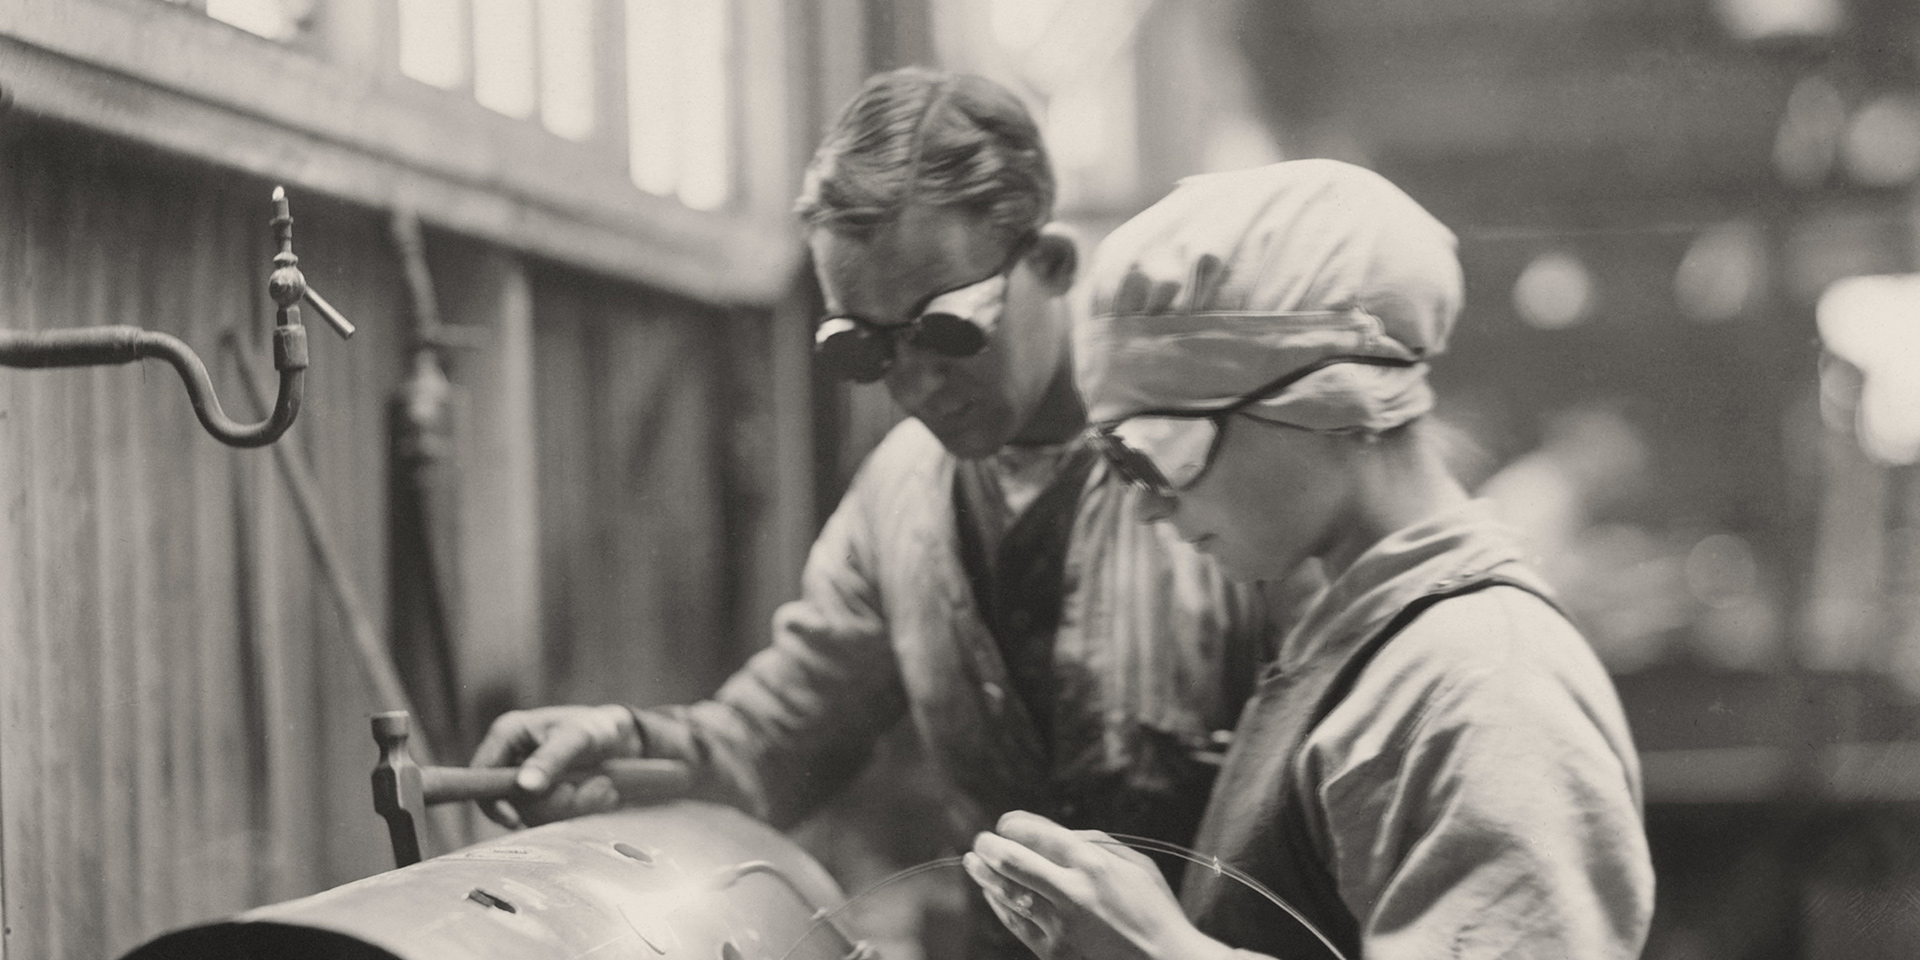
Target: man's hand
x=1079 y=895
x=548 y=741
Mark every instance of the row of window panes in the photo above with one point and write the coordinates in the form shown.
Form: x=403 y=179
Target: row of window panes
x=273 y=19
x=537 y=56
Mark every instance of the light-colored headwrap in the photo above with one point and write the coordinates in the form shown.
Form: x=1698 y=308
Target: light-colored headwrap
x=1236 y=279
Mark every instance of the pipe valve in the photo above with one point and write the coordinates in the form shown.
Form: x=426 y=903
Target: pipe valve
x=116 y=344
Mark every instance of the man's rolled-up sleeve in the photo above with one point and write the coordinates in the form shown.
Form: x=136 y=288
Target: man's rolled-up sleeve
x=799 y=720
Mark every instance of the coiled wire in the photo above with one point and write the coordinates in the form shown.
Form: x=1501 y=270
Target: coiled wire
x=1143 y=844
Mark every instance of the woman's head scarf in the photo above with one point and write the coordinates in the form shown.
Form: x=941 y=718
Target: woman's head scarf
x=1236 y=279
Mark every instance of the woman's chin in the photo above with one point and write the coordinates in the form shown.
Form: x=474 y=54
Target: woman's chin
x=1244 y=564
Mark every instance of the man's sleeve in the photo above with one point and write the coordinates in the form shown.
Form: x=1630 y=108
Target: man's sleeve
x=1507 y=821
x=799 y=720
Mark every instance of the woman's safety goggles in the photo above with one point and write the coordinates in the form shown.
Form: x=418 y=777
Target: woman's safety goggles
x=1166 y=451
x=952 y=323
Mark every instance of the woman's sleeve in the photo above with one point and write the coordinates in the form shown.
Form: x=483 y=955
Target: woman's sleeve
x=1500 y=814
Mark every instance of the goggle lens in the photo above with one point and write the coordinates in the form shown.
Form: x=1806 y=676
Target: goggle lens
x=956 y=324
x=948 y=335
x=850 y=350
x=1163 y=454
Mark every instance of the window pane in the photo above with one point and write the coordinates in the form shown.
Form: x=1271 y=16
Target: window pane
x=566 y=67
x=680 y=100
x=653 y=93
x=706 y=155
x=433 y=42
x=272 y=19
x=503 y=55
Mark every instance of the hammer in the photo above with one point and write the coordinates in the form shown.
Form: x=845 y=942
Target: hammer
x=403 y=790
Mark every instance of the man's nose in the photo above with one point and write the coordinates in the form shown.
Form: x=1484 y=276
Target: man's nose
x=1154 y=507
x=914 y=377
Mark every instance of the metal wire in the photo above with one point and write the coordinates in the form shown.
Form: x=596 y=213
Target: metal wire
x=1143 y=844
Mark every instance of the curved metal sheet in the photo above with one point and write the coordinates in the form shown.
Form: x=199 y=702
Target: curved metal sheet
x=681 y=880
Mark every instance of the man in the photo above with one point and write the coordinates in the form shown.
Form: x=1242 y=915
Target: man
x=983 y=574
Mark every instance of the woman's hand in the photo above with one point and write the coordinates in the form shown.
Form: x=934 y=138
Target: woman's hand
x=1070 y=895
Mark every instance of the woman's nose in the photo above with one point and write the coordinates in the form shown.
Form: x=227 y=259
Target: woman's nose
x=1154 y=507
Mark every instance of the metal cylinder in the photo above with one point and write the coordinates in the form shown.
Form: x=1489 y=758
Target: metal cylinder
x=680 y=880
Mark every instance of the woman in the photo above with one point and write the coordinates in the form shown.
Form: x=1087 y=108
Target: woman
x=1436 y=765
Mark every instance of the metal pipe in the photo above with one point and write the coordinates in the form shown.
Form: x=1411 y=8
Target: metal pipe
x=117 y=344
x=680 y=880
x=99 y=346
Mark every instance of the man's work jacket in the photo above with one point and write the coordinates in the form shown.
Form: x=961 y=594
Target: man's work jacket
x=1154 y=651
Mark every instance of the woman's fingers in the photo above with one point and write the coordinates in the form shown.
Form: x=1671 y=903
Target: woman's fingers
x=1105 y=841
x=1024 y=866
x=1053 y=841
x=1028 y=931
x=1001 y=888
x=1011 y=902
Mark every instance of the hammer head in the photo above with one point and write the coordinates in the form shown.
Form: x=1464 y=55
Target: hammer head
x=396 y=787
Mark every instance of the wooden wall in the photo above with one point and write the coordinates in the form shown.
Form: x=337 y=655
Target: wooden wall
x=180 y=714
x=655 y=446
x=182 y=724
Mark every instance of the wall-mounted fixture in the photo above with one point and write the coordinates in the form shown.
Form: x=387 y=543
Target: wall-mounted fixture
x=114 y=344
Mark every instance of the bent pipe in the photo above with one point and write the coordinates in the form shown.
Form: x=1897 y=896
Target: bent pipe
x=98 y=346
x=679 y=880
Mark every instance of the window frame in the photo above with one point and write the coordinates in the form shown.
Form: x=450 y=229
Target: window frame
x=330 y=112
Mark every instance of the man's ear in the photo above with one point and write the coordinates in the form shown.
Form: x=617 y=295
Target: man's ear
x=1054 y=260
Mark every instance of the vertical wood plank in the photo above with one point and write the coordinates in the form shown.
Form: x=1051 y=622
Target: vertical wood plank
x=163 y=458
x=226 y=765
x=168 y=788
x=67 y=522
x=353 y=256
x=633 y=523
x=21 y=841
x=500 y=536
x=562 y=344
x=110 y=745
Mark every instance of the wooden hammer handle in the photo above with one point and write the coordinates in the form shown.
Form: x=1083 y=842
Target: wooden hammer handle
x=639 y=781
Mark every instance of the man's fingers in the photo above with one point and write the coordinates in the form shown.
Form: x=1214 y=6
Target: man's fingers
x=558 y=804
x=564 y=746
x=503 y=813
x=508 y=739
x=596 y=794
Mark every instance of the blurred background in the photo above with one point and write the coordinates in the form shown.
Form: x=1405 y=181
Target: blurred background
x=1689 y=369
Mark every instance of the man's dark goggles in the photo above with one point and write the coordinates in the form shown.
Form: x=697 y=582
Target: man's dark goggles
x=862 y=351
x=952 y=323
x=1167 y=451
